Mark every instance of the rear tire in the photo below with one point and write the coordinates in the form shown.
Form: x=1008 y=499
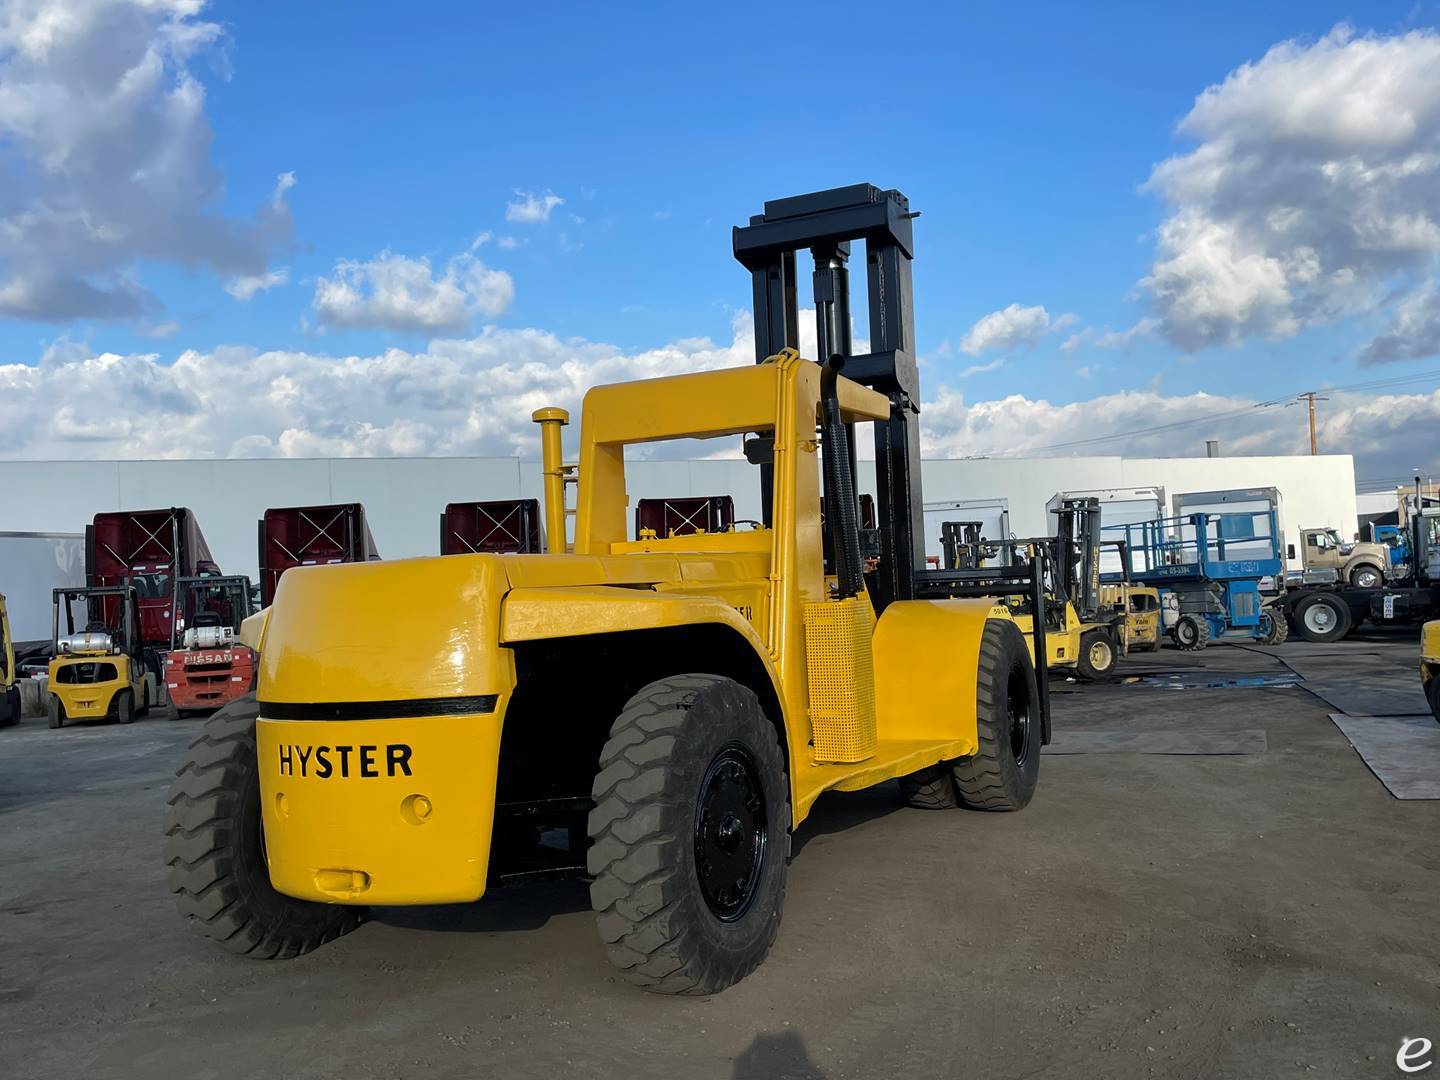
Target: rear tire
x=1191 y=634
x=1098 y=656
x=690 y=834
x=125 y=707
x=1276 y=629
x=1323 y=618
x=215 y=852
x=54 y=711
x=1002 y=774
x=930 y=789
x=1432 y=695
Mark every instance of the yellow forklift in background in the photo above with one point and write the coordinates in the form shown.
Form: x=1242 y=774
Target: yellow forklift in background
x=671 y=706
x=98 y=672
x=9 y=682
x=1430 y=665
x=1139 y=605
x=1082 y=635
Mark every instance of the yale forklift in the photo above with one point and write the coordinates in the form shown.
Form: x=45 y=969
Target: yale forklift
x=673 y=705
x=98 y=672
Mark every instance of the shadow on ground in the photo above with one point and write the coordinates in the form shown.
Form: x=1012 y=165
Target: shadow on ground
x=777 y=1057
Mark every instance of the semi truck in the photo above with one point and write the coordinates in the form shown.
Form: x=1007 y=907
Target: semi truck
x=311 y=536
x=150 y=550
x=1326 y=611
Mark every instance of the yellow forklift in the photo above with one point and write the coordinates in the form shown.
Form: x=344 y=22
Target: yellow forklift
x=9 y=684
x=1138 y=605
x=1083 y=636
x=98 y=672
x=1430 y=665
x=659 y=713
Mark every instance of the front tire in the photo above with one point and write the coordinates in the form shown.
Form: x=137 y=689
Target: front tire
x=1003 y=773
x=690 y=836
x=1098 y=656
x=1367 y=577
x=215 y=852
x=1191 y=634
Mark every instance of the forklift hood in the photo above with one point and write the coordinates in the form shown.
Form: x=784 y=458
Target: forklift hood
x=336 y=633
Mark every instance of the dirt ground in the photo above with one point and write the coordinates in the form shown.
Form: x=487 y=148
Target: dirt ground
x=1147 y=916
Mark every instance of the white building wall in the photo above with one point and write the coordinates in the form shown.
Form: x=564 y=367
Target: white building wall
x=403 y=497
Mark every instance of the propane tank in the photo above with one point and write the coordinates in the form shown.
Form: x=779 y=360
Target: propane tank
x=209 y=637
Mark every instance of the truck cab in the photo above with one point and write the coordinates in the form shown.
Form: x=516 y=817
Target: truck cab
x=1361 y=564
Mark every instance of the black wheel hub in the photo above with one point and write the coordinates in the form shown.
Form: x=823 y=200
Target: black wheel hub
x=730 y=833
x=1017 y=715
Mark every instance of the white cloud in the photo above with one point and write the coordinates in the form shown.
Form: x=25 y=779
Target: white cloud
x=530 y=209
x=1358 y=424
x=1120 y=339
x=457 y=396
x=1012 y=327
x=105 y=149
x=393 y=292
x=508 y=243
x=246 y=286
x=1314 y=184
x=980 y=369
x=474 y=396
x=1414 y=331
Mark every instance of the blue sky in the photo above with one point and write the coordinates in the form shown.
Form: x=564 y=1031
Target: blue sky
x=1024 y=135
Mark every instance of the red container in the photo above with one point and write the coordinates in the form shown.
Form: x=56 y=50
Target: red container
x=683 y=517
x=311 y=536
x=151 y=549
x=504 y=526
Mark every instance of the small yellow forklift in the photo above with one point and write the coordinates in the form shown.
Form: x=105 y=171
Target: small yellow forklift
x=673 y=705
x=9 y=683
x=98 y=672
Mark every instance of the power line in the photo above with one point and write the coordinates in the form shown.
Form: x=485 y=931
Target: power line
x=1372 y=384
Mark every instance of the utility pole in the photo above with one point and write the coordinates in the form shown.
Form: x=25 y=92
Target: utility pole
x=1309 y=397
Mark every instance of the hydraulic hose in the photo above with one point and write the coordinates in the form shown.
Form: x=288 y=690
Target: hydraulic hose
x=841 y=508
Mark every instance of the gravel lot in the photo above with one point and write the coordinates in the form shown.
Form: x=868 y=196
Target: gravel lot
x=1265 y=915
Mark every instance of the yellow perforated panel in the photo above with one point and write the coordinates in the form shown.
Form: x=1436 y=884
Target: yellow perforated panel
x=841 y=679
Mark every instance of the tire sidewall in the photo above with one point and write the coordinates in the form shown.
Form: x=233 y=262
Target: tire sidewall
x=1018 y=778
x=720 y=716
x=1187 y=632
x=1088 y=668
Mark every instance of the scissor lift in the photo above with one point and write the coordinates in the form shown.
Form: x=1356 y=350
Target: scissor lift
x=1212 y=565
